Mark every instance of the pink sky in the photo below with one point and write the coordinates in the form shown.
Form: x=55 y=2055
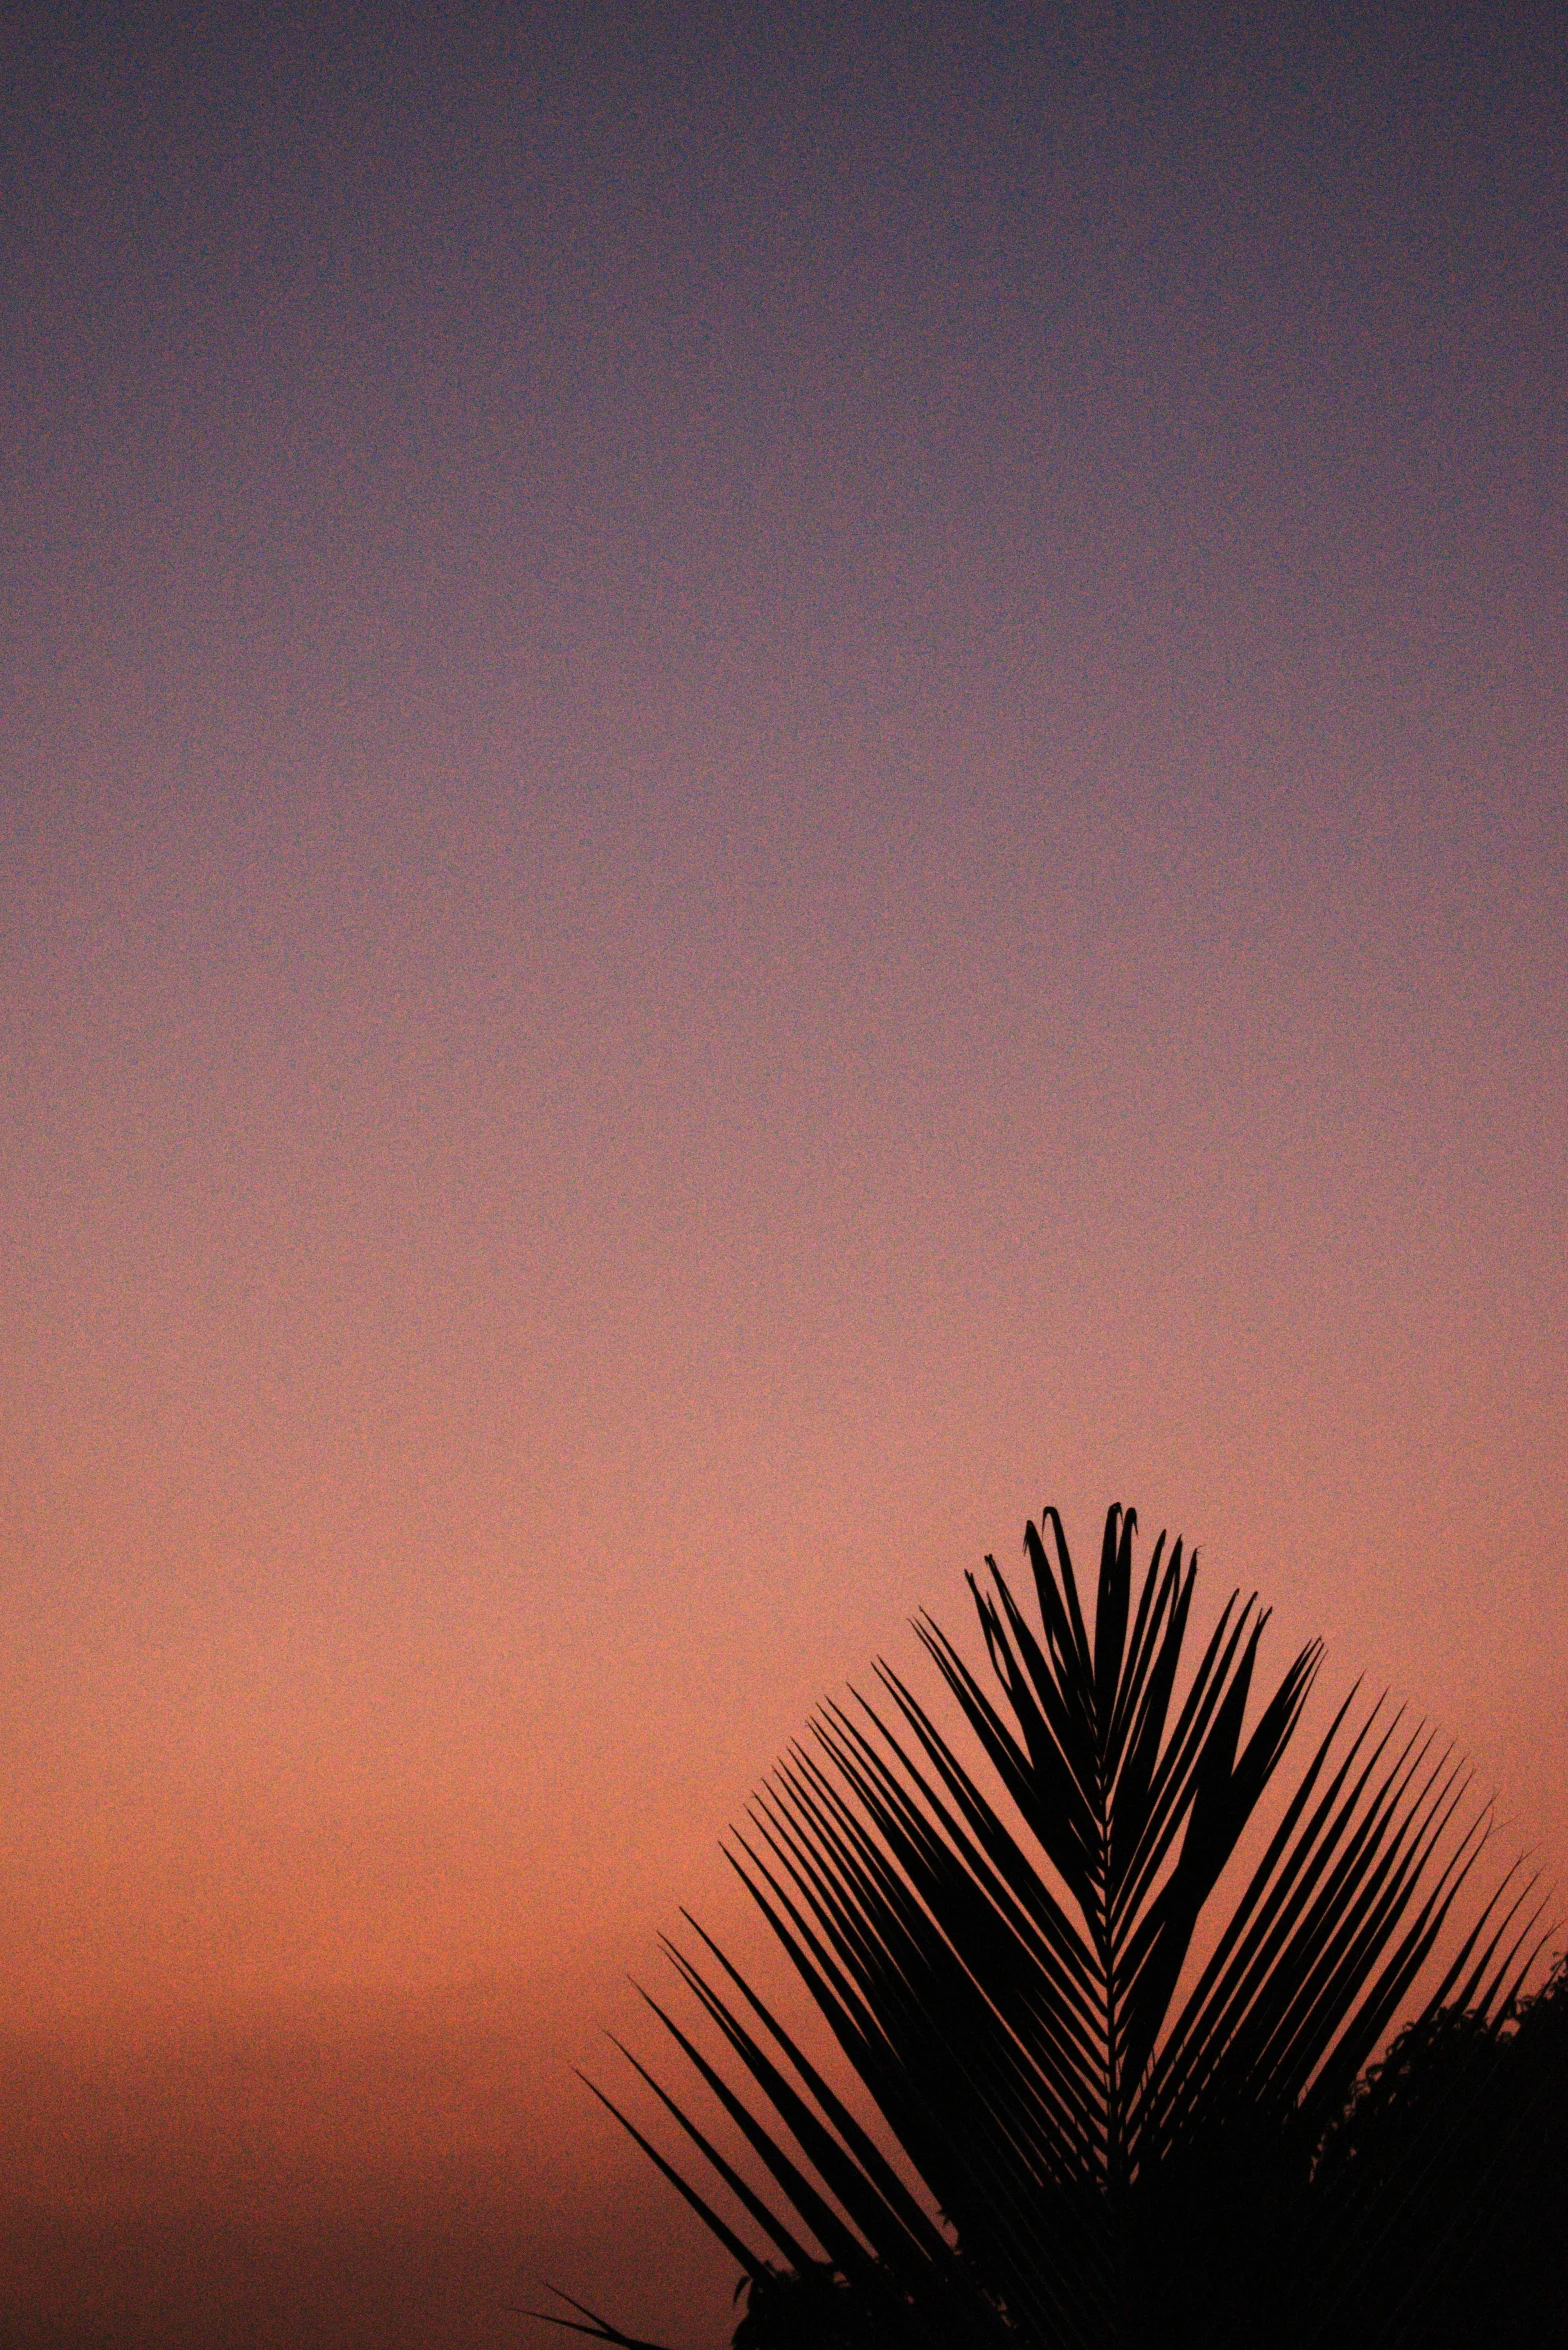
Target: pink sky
x=764 y=792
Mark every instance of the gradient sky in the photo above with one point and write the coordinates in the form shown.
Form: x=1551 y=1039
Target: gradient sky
x=771 y=780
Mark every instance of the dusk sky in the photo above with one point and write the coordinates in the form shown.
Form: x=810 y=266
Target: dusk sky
x=772 y=780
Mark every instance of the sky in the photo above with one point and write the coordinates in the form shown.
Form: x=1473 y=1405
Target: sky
x=772 y=781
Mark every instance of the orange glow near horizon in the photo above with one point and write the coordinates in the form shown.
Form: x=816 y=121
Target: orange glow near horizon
x=762 y=797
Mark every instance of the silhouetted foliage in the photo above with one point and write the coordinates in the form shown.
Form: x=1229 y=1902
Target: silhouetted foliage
x=809 y=2309
x=1458 y=2142
x=1115 y=2143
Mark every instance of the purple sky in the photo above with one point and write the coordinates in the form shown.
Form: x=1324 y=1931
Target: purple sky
x=771 y=780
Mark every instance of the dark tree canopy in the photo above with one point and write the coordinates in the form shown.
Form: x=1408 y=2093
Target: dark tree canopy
x=1458 y=2141
x=1115 y=2144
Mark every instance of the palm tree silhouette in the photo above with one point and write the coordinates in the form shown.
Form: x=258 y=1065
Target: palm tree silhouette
x=1113 y=2126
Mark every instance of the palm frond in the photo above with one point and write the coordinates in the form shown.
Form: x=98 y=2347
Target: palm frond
x=998 y=1946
